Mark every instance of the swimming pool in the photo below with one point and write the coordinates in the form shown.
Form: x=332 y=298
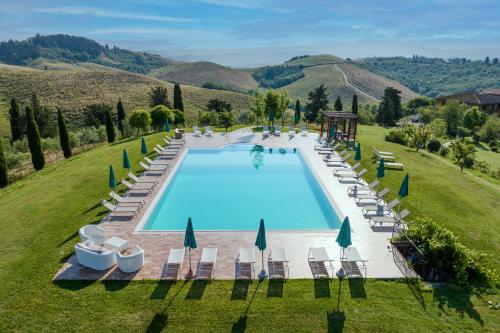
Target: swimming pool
x=233 y=187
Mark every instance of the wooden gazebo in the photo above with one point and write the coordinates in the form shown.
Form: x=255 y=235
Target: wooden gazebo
x=344 y=126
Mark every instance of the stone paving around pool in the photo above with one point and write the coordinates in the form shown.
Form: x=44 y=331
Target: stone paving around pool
x=373 y=245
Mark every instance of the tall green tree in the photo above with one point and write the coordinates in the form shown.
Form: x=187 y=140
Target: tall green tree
x=159 y=114
x=258 y=108
x=158 y=96
x=14 y=118
x=390 y=109
x=219 y=105
x=272 y=100
x=110 y=129
x=453 y=114
x=4 y=177
x=226 y=119
x=338 y=104
x=120 y=113
x=284 y=101
x=178 y=104
x=34 y=140
x=354 y=107
x=474 y=118
x=318 y=102
x=296 y=118
x=42 y=117
x=63 y=135
x=140 y=119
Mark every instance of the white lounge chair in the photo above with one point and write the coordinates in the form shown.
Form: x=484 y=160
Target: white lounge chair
x=173 y=143
x=96 y=257
x=352 y=176
x=173 y=266
x=119 y=210
x=338 y=162
x=128 y=201
x=320 y=262
x=208 y=131
x=154 y=168
x=337 y=171
x=387 y=153
x=92 y=233
x=132 y=261
x=334 y=156
x=380 y=210
x=265 y=130
x=351 y=256
x=328 y=150
x=361 y=189
x=277 y=130
x=165 y=155
x=397 y=218
x=373 y=196
x=143 y=179
x=156 y=162
x=168 y=150
x=196 y=131
x=303 y=130
x=278 y=262
x=246 y=262
x=138 y=186
x=206 y=266
x=392 y=165
x=291 y=131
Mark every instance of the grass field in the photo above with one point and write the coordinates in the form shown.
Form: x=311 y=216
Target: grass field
x=72 y=90
x=42 y=213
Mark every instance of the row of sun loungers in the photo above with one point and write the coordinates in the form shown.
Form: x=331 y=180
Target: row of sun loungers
x=277 y=131
x=389 y=159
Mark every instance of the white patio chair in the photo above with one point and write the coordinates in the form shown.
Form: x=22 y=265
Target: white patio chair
x=93 y=256
x=303 y=130
x=196 y=131
x=92 y=233
x=209 y=131
x=131 y=262
x=265 y=130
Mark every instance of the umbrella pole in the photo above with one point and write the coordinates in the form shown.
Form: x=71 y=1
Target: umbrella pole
x=262 y=274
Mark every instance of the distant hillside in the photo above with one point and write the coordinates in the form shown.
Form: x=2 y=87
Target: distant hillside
x=202 y=72
x=435 y=76
x=72 y=90
x=73 y=49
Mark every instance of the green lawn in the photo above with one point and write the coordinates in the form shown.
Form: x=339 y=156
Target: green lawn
x=462 y=202
x=40 y=218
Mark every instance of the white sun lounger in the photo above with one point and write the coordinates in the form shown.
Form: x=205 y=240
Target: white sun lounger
x=352 y=176
x=337 y=171
x=303 y=130
x=328 y=150
x=143 y=179
x=164 y=155
x=137 y=187
x=392 y=165
x=351 y=256
x=278 y=262
x=291 y=131
x=319 y=260
x=387 y=153
x=169 y=149
x=128 y=201
x=206 y=266
x=196 y=131
x=170 y=140
x=246 y=262
x=208 y=131
x=156 y=162
x=173 y=266
x=373 y=196
x=388 y=219
x=277 y=130
x=176 y=144
x=265 y=130
x=119 y=210
x=154 y=168
x=361 y=189
x=334 y=156
x=380 y=209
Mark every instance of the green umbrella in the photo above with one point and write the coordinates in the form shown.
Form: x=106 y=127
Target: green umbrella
x=296 y=118
x=126 y=161
x=332 y=132
x=344 y=236
x=260 y=242
x=112 y=180
x=144 y=148
x=403 y=189
x=381 y=169
x=357 y=157
x=189 y=240
x=166 y=127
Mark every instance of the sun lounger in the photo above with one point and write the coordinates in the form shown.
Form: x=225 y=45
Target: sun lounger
x=196 y=131
x=320 y=262
x=291 y=131
x=392 y=165
x=246 y=262
x=303 y=130
x=352 y=176
x=378 y=156
x=351 y=256
x=397 y=218
x=173 y=266
x=169 y=139
x=206 y=266
x=156 y=162
x=138 y=187
x=173 y=143
x=361 y=189
x=373 y=196
x=337 y=171
x=333 y=156
x=128 y=201
x=169 y=149
x=277 y=130
x=328 y=150
x=387 y=153
x=265 y=131
x=278 y=263
x=164 y=155
x=380 y=209
x=143 y=179
x=119 y=210
x=153 y=168
x=208 y=131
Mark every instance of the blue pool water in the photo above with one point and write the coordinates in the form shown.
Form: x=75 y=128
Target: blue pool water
x=233 y=187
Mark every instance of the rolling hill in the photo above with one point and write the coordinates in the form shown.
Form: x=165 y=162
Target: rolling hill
x=73 y=89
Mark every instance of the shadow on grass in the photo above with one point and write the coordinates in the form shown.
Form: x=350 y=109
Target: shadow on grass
x=322 y=288
x=158 y=323
x=414 y=286
x=162 y=289
x=74 y=285
x=335 y=320
x=357 y=288
x=115 y=285
x=197 y=289
x=97 y=205
x=275 y=288
x=457 y=299
x=241 y=324
x=240 y=290
x=66 y=257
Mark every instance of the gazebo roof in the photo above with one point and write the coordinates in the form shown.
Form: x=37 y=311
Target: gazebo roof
x=341 y=115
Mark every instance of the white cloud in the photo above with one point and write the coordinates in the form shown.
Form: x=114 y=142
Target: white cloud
x=97 y=12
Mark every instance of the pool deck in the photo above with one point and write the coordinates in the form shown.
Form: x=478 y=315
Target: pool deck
x=373 y=245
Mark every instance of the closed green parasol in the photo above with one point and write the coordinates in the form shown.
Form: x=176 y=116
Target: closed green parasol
x=166 y=127
x=381 y=169
x=344 y=236
x=112 y=180
x=190 y=242
x=260 y=242
x=403 y=189
x=357 y=157
x=126 y=161
x=144 y=148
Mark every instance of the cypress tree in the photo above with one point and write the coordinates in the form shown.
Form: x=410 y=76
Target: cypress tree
x=120 y=112
x=338 y=104
x=15 y=130
x=355 y=104
x=178 y=97
x=63 y=135
x=34 y=140
x=4 y=180
x=110 y=130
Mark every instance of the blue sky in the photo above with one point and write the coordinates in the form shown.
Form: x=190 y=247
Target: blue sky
x=246 y=33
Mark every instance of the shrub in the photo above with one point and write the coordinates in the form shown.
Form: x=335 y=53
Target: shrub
x=494 y=149
x=491 y=129
x=445 y=255
x=397 y=136
x=434 y=145
x=140 y=120
x=483 y=166
x=462 y=132
x=492 y=143
x=158 y=116
x=444 y=151
x=463 y=154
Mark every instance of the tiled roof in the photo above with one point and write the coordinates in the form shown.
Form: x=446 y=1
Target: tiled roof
x=487 y=97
